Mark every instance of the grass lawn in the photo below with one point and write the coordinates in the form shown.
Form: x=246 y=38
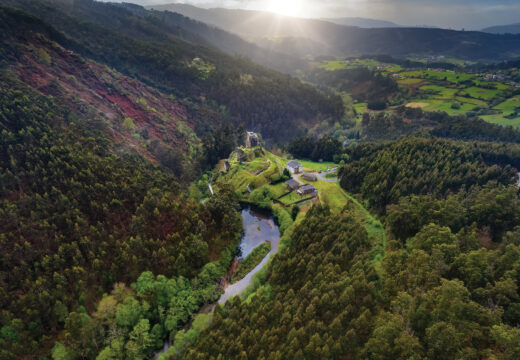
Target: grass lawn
x=499 y=119
x=394 y=68
x=498 y=85
x=316 y=166
x=335 y=65
x=509 y=106
x=409 y=81
x=256 y=165
x=480 y=93
x=475 y=102
x=439 y=92
x=291 y=198
x=279 y=189
x=447 y=107
x=441 y=105
x=438 y=75
x=354 y=63
x=447 y=76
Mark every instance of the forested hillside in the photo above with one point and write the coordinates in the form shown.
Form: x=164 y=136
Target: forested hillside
x=444 y=287
x=419 y=166
x=440 y=295
x=144 y=48
x=98 y=128
x=76 y=220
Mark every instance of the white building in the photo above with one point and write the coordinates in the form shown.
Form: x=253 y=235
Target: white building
x=294 y=167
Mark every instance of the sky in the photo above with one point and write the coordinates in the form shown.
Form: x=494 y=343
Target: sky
x=456 y=14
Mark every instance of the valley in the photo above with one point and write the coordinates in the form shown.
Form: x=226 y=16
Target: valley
x=197 y=183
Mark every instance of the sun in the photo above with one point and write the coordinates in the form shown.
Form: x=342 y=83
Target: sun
x=286 y=7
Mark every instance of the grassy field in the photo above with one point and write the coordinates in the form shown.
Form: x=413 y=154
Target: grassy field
x=279 y=189
x=475 y=102
x=480 y=93
x=409 y=82
x=335 y=65
x=440 y=92
x=453 y=92
x=509 y=106
x=316 y=166
x=256 y=165
x=499 y=119
x=292 y=198
x=448 y=76
x=354 y=63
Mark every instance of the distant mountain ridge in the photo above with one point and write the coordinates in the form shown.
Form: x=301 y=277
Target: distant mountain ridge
x=503 y=29
x=363 y=22
x=312 y=37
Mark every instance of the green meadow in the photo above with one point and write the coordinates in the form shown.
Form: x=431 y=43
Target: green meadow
x=453 y=92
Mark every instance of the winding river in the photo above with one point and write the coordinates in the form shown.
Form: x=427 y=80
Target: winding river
x=259 y=227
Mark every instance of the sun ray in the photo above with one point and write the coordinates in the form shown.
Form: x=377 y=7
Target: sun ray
x=286 y=7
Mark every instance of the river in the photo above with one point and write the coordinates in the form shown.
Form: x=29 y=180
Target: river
x=259 y=226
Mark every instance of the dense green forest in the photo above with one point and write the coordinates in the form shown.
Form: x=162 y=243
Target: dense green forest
x=441 y=295
x=274 y=104
x=446 y=288
x=325 y=148
x=419 y=166
x=76 y=220
x=114 y=119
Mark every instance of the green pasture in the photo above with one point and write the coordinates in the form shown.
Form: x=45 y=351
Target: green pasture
x=480 y=93
x=316 y=166
x=509 y=106
x=291 y=198
x=440 y=92
x=499 y=119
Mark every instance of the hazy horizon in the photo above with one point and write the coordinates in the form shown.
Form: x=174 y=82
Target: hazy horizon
x=455 y=14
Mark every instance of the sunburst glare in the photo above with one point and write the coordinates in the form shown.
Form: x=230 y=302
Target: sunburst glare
x=286 y=7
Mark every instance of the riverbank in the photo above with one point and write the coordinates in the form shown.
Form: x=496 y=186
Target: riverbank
x=251 y=261
x=258 y=227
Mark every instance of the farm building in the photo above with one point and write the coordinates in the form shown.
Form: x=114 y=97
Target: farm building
x=309 y=177
x=307 y=190
x=252 y=139
x=294 y=167
x=293 y=184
